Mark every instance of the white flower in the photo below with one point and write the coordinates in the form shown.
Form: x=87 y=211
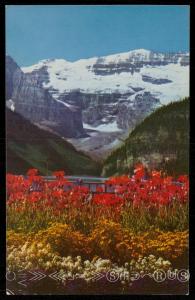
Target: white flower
x=76 y=264
x=78 y=258
x=69 y=274
x=87 y=263
x=142 y=272
x=69 y=258
x=143 y=262
x=102 y=263
x=80 y=269
x=166 y=263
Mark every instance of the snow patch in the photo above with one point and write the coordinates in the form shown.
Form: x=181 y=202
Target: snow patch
x=111 y=127
x=70 y=106
x=10 y=104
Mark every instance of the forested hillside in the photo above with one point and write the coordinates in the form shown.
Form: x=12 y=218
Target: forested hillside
x=160 y=141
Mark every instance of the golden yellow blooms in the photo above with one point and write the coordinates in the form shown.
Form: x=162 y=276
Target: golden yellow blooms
x=124 y=244
x=108 y=240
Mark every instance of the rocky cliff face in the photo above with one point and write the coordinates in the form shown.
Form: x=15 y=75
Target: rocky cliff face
x=134 y=61
x=35 y=103
x=11 y=70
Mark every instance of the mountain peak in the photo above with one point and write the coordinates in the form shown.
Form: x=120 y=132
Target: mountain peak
x=46 y=62
x=140 y=51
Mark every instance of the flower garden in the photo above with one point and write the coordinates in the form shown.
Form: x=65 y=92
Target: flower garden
x=141 y=227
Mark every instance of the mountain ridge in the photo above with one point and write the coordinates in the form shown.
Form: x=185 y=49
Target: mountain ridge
x=28 y=146
x=123 y=54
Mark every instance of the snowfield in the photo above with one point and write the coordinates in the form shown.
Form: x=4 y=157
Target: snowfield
x=110 y=127
x=66 y=76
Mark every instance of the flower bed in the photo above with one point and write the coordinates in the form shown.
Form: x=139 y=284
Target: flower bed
x=143 y=226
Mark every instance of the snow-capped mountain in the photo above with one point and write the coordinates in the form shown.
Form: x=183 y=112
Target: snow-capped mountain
x=113 y=92
x=120 y=73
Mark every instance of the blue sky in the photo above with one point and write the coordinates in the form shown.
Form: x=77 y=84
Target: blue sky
x=35 y=32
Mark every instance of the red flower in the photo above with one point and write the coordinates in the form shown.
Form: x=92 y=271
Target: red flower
x=122 y=180
x=183 y=178
x=32 y=172
x=107 y=199
x=35 y=197
x=139 y=171
x=59 y=174
x=60 y=194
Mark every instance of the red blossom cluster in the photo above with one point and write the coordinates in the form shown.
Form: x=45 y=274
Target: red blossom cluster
x=155 y=191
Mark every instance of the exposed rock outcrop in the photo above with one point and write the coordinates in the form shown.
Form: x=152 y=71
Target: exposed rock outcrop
x=35 y=103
